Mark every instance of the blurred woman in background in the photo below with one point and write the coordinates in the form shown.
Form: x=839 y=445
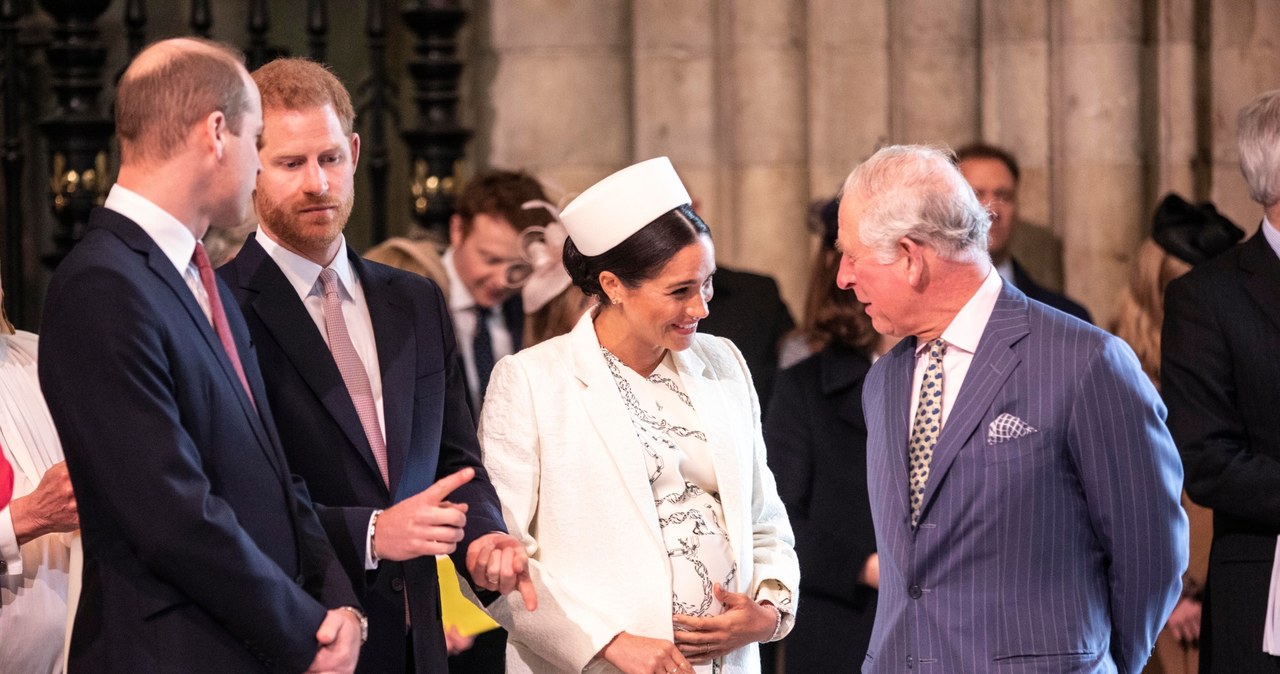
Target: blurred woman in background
x=1182 y=236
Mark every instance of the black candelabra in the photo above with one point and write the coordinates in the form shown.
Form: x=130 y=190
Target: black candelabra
x=437 y=143
x=78 y=130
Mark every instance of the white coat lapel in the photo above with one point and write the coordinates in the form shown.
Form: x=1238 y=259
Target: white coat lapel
x=724 y=435
x=612 y=421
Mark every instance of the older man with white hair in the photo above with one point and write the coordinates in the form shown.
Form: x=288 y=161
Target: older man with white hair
x=1218 y=373
x=1023 y=486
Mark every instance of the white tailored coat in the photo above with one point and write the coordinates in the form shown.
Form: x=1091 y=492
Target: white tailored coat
x=562 y=453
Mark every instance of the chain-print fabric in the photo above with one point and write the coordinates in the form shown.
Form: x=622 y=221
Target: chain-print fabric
x=684 y=490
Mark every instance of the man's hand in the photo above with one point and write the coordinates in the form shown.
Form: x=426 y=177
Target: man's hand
x=424 y=524
x=339 y=639
x=870 y=575
x=456 y=642
x=497 y=561
x=702 y=640
x=1184 y=622
x=50 y=509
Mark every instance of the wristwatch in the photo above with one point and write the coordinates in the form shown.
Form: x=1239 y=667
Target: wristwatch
x=364 y=621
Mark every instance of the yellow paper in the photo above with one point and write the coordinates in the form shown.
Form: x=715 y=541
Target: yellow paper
x=455 y=609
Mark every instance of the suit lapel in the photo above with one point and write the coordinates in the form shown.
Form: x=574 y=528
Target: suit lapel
x=162 y=267
x=612 y=421
x=276 y=304
x=991 y=366
x=900 y=366
x=393 y=336
x=718 y=423
x=1263 y=283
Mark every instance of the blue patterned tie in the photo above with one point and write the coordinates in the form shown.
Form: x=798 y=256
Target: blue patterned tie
x=926 y=427
x=482 y=348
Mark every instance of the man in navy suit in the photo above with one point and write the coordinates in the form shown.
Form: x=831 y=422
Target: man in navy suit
x=371 y=430
x=1222 y=381
x=1023 y=487
x=202 y=553
x=993 y=174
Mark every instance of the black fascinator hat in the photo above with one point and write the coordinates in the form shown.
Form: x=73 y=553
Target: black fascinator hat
x=824 y=220
x=1190 y=232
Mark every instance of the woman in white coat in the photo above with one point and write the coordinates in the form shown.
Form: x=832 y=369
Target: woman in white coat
x=629 y=459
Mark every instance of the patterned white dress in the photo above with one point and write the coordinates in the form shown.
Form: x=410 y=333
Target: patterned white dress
x=685 y=491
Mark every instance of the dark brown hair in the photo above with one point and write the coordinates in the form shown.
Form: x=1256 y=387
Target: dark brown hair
x=502 y=194
x=640 y=256
x=985 y=151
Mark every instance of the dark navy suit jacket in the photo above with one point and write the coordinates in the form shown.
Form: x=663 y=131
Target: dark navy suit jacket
x=1061 y=550
x=429 y=433
x=202 y=554
x=1221 y=379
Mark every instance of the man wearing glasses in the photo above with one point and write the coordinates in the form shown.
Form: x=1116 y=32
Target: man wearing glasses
x=485 y=270
x=993 y=174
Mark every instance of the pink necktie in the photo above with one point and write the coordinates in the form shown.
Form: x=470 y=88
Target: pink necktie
x=218 y=316
x=352 y=368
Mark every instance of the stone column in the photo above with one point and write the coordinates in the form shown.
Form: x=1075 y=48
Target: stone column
x=1244 y=62
x=848 y=88
x=1174 y=136
x=1015 y=94
x=762 y=117
x=675 y=93
x=933 y=71
x=560 y=97
x=1098 y=183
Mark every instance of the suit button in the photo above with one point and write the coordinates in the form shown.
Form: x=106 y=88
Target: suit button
x=397 y=584
x=300 y=580
x=914 y=592
x=911 y=661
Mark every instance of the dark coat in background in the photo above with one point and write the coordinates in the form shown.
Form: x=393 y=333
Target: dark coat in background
x=816 y=438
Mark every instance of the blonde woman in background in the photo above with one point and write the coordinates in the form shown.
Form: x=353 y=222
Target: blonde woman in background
x=1183 y=235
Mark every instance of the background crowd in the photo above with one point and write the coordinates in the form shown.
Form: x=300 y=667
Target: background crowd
x=292 y=440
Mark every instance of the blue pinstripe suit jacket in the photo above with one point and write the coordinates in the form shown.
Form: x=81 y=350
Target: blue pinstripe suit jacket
x=1060 y=551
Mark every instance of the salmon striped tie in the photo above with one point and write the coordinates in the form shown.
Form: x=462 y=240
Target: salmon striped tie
x=352 y=368
x=218 y=316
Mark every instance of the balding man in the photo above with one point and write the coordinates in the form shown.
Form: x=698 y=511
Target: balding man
x=202 y=554
x=1023 y=487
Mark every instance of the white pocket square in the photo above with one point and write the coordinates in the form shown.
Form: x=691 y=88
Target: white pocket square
x=1007 y=427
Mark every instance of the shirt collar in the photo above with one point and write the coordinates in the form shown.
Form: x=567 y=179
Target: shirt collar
x=460 y=298
x=303 y=274
x=965 y=330
x=174 y=239
x=1272 y=235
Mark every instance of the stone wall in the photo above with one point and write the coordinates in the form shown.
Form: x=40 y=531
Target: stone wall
x=767 y=104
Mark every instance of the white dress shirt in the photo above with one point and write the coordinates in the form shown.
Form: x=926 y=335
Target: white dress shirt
x=1272 y=235
x=34 y=578
x=462 y=309
x=1005 y=270
x=174 y=239
x=962 y=337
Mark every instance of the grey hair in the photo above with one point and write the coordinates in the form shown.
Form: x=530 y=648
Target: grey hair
x=1258 y=137
x=916 y=192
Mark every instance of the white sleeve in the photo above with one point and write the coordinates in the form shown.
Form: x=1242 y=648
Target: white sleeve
x=10 y=551
x=565 y=631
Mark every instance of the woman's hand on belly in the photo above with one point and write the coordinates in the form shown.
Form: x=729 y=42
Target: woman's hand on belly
x=702 y=640
x=641 y=655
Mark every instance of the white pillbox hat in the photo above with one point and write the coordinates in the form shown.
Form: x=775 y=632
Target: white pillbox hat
x=621 y=204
